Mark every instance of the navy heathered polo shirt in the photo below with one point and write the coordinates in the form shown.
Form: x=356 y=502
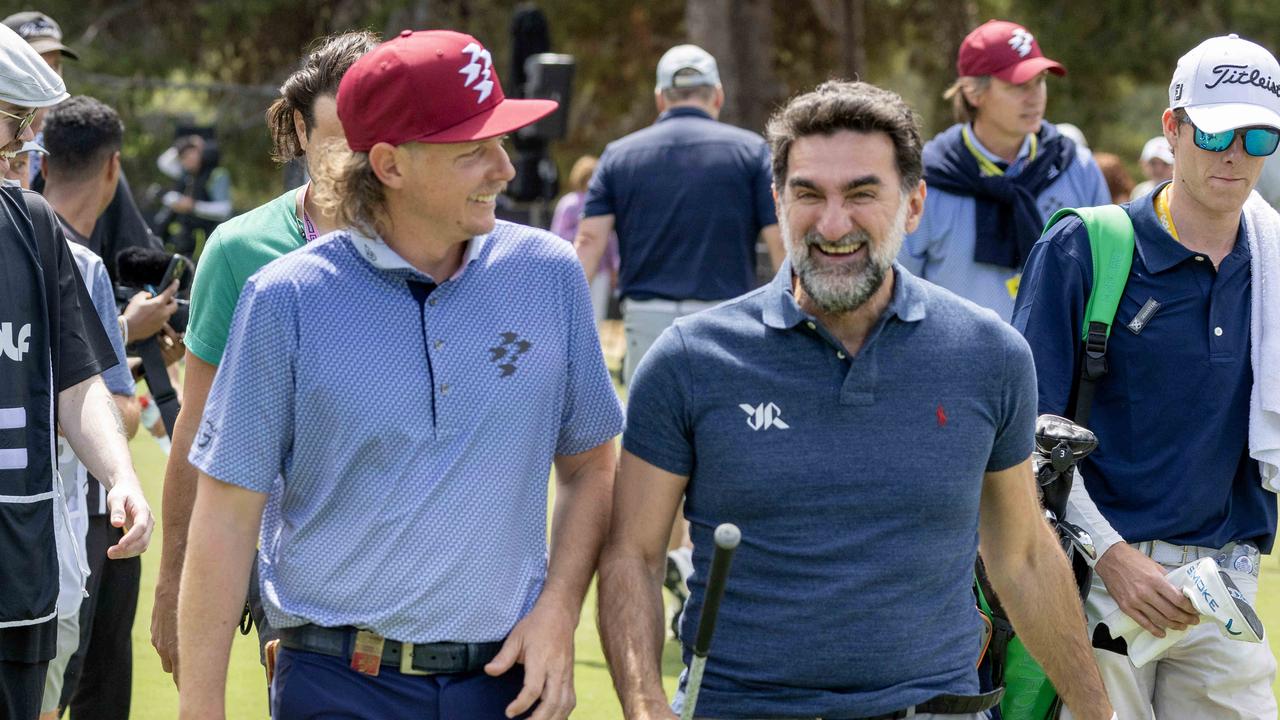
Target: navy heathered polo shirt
x=855 y=482
x=1172 y=414
x=689 y=196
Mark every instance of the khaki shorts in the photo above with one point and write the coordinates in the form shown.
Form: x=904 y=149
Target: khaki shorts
x=68 y=642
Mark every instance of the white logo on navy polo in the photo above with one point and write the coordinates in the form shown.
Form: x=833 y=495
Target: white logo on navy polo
x=764 y=416
x=1021 y=42
x=11 y=347
x=478 y=76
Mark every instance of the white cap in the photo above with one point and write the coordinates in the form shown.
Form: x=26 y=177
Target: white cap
x=1075 y=133
x=687 y=57
x=26 y=80
x=1157 y=148
x=1227 y=83
x=32 y=146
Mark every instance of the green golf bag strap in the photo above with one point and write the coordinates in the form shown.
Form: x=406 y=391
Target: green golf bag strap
x=1111 y=244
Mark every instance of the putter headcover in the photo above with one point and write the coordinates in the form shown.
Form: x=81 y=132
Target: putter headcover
x=1212 y=593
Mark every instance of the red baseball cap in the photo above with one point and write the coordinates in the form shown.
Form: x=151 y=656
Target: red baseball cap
x=1005 y=50
x=432 y=86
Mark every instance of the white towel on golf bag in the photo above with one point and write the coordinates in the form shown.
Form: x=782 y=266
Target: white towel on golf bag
x=1262 y=228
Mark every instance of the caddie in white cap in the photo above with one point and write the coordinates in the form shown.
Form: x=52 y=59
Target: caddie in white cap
x=1189 y=452
x=52 y=353
x=27 y=84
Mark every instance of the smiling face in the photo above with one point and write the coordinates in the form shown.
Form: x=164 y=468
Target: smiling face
x=844 y=215
x=455 y=186
x=1220 y=181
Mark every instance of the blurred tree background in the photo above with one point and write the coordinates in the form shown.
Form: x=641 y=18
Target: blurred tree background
x=164 y=63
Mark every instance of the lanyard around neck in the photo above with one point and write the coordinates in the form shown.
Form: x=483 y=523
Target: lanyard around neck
x=309 y=231
x=1163 y=214
x=985 y=164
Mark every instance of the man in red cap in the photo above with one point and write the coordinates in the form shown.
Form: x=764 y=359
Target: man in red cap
x=999 y=173
x=387 y=411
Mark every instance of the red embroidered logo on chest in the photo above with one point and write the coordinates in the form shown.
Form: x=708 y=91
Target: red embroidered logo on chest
x=942 y=416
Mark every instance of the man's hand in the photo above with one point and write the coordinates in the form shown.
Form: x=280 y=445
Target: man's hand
x=146 y=314
x=1138 y=585
x=164 y=624
x=129 y=510
x=543 y=643
x=171 y=347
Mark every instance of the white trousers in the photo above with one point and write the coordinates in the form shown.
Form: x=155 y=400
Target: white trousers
x=1203 y=677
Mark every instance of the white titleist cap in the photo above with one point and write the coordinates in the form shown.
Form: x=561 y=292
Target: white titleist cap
x=1227 y=83
x=26 y=80
x=687 y=57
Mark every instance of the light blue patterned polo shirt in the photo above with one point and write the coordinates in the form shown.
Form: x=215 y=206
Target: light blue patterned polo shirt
x=412 y=432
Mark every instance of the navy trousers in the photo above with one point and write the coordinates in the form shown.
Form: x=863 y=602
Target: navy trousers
x=311 y=686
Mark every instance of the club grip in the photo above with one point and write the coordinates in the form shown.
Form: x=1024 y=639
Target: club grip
x=727 y=537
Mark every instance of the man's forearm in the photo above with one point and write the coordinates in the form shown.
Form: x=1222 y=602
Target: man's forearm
x=215 y=577
x=590 y=249
x=1043 y=603
x=579 y=525
x=180 y=476
x=130 y=413
x=632 y=631
x=92 y=424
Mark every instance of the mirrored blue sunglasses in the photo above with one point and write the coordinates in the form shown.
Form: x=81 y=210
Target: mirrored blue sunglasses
x=1258 y=142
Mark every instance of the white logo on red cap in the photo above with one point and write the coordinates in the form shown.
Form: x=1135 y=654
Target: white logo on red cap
x=1021 y=42
x=475 y=72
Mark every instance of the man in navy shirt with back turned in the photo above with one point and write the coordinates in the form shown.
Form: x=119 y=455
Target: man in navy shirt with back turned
x=866 y=430
x=688 y=197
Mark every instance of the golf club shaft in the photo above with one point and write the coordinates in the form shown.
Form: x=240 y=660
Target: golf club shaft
x=727 y=537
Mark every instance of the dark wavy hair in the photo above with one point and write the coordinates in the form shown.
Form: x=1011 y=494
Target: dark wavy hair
x=838 y=105
x=320 y=74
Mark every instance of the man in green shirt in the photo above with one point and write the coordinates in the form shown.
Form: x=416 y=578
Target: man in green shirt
x=305 y=115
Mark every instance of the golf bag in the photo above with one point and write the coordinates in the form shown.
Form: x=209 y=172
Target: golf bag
x=1060 y=445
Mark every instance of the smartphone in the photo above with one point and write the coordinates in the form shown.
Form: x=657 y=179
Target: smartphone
x=177 y=266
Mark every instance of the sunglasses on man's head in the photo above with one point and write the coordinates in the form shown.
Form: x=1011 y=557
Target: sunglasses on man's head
x=24 y=121
x=1258 y=142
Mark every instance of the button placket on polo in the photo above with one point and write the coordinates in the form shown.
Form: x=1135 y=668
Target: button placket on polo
x=1221 y=342
x=860 y=371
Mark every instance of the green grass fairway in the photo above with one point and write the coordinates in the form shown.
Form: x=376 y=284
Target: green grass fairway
x=154 y=696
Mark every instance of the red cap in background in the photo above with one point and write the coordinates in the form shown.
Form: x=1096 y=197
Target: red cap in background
x=1005 y=50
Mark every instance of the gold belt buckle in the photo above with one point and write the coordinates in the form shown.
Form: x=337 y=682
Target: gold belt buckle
x=406 y=661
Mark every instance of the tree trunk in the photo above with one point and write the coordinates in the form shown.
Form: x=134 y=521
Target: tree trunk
x=740 y=36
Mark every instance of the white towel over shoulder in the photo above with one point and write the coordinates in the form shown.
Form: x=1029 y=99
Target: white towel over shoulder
x=1262 y=228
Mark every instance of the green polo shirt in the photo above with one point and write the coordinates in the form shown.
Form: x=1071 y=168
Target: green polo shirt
x=236 y=250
